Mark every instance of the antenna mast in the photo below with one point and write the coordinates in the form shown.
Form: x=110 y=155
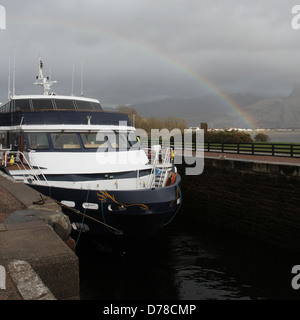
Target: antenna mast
x=14 y=75
x=73 y=72
x=81 y=93
x=42 y=81
x=9 y=93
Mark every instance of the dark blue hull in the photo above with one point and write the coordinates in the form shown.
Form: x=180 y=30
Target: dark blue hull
x=133 y=215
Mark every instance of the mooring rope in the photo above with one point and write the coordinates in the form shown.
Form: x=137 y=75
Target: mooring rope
x=103 y=216
x=83 y=217
x=82 y=214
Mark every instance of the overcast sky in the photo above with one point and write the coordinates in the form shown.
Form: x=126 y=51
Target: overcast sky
x=142 y=50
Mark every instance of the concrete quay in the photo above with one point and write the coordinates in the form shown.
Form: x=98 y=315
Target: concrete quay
x=37 y=258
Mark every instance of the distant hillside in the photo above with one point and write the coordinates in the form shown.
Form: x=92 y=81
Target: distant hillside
x=270 y=112
x=207 y=108
x=277 y=112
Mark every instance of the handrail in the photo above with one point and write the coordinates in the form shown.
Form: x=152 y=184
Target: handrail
x=21 y=164
x=261 y=148
x=154 y=163
x=165 y=156
x=271 y=149
x=166 y=159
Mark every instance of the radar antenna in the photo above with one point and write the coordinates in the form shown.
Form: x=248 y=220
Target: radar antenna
x=44 y=82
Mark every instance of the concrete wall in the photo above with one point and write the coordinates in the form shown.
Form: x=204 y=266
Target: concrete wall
x=35 y=246
x=260 y=200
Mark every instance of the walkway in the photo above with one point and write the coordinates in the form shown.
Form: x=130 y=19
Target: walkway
x=254 y=158
x=244 y=157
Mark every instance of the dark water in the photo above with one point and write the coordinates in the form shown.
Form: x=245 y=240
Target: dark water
x=189 y=261
x=282 y=136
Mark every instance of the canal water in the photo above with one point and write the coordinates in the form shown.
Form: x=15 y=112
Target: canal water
x=188 y=261
x=191 y=261
x=288 y=136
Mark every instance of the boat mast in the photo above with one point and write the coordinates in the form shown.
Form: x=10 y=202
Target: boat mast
x=9 y=92
x=42 y=81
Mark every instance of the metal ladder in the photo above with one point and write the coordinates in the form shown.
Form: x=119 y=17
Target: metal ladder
x=159 y=171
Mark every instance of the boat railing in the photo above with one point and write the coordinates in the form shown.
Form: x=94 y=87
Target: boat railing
x=161 y=160
x=31 y=172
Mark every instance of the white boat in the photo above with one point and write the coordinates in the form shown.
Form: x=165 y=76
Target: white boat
x=90 y=161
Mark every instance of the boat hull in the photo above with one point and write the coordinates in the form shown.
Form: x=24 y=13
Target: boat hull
x=132 y=215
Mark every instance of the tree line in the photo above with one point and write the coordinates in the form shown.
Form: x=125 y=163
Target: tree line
x=147 y=124
x=170 y=123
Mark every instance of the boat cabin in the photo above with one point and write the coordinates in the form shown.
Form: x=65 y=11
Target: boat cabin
x=53 y=102
x=62 y=123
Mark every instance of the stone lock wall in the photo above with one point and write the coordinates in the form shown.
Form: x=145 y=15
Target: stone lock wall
x=260 y=200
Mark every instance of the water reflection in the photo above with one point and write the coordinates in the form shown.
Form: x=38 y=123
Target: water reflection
x=197 y=272
x=281 y=136
x=189 y=262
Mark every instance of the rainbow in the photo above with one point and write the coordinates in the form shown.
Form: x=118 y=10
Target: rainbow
x=209 y=86
x=205 y=83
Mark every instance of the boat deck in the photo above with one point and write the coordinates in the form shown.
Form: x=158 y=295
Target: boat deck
x=17 y=166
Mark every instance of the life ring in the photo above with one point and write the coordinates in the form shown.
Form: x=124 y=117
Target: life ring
x=172 y=179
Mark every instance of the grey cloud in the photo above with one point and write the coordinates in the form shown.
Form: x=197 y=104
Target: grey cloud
x=138 y=50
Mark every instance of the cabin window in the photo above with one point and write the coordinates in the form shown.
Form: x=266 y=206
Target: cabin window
x=65 y=141
x=22 y=105
x=3 y=141
x=37 y=141
x=5 y=107
x=14 y=139
x=64 y=104
x=87 y=105
x=116 y=140
x=42 y=104
x=92 y=140
x=122 y=141
x=134 y=141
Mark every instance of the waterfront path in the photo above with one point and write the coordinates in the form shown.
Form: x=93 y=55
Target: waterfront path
x=243 y=157
x=254 y=158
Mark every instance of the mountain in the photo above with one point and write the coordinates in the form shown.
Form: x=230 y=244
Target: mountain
x=208 y=108
x=276 y=112
x=266 y=112
x=295 y=92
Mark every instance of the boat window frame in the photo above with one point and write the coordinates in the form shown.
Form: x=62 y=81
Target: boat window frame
x=30 y=147
x=3 y=139
x=101 y=147
x=136 y=143
x=76 y=146
x=64 y=109
x=42 y=109
x=114 y=144
x=14 y=102
x=123 y=134
x=5 y=108
x=95 y=106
